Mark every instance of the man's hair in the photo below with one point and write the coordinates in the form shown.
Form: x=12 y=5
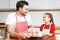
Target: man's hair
x=21 y=4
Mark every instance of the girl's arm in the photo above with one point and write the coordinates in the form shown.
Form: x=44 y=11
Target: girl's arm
x=52 y=30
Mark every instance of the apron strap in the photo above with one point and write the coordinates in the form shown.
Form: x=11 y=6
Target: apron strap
x=17 y=18
x=49 y=27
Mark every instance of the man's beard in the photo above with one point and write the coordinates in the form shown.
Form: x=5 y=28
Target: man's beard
x=23 y=14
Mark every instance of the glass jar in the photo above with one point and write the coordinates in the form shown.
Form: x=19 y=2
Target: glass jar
x=7 y=36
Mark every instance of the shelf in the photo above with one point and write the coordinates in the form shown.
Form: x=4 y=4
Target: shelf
x=56 y=28
x=13 y=10
x=2 y=26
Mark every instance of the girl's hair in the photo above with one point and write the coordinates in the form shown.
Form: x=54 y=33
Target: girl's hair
x=50 y=16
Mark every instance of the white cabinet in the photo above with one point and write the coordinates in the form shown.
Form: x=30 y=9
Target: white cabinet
x=13 y=4
x=54 y=4
x=33 y=4
x=44 y=4
x=4 y=4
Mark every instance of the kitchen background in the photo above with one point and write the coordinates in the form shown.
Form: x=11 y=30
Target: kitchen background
x=36 y=9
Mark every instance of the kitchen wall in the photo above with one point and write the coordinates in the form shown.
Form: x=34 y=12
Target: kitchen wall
x=36 y=16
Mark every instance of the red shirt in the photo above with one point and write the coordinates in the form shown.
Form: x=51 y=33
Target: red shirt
x=52 y=29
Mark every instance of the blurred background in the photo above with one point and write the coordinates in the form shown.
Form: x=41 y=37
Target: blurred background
x=36 y=9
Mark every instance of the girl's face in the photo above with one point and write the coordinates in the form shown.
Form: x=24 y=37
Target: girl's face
x=46 y=18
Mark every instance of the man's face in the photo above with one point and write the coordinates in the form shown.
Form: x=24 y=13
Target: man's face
x=23 y=10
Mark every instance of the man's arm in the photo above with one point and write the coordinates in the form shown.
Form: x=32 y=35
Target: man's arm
x=13 y=34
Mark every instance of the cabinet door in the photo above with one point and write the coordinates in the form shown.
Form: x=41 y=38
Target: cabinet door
x=44 y=4
x=4 y=4
x=2 y=30
x=13 y=4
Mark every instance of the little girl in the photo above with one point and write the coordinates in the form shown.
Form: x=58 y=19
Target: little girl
x=48 y=28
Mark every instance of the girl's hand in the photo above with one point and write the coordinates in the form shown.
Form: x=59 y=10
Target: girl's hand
x=49 y=34
x=46 y=36
x=30 y=29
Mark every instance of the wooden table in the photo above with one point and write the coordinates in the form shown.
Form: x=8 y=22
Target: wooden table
x=35 y=38
x=32 y=38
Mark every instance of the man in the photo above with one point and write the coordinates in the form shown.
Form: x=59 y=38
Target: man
x=19 y=21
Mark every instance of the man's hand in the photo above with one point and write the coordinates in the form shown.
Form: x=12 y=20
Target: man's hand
x=24 y=35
